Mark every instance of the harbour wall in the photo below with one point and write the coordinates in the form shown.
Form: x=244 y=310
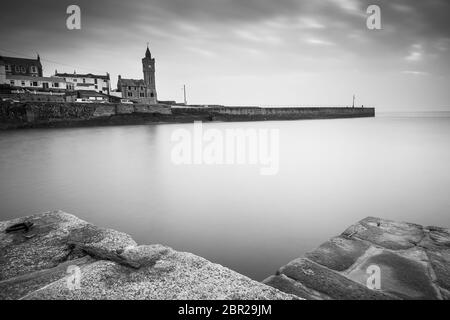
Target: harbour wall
x=15 y=115
x=55 y=114
x=256 y=113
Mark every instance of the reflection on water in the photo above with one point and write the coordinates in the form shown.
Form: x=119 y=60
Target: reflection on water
x=331 y=174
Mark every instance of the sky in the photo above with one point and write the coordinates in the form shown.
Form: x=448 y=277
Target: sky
x=249 y=52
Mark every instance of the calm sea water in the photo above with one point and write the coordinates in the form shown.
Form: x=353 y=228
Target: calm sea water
x=332 y=173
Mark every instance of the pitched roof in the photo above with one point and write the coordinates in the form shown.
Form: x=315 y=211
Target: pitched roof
x=81 y=75
x=20 y=61
x=91 y=93
x=30 y=78
x=131 y=82
x=147 y=53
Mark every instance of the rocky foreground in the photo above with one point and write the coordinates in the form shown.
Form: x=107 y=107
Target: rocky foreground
x=413 y=262
x=55 y=255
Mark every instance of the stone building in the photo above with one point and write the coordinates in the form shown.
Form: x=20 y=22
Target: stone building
x=20 y=66
x=142 y=90
x=27 y=74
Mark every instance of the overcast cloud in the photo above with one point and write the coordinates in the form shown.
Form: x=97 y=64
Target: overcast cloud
x=283 y=52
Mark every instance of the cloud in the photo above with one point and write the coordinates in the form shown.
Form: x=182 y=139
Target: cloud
x=415 y=54
x=310 y=23
x=195 y=38
x=416 y=73
x=319 y=42
x=201 y=51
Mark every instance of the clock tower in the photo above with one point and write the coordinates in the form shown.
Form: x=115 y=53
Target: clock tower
x=148 y=67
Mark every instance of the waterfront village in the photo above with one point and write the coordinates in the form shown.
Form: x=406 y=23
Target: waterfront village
x=23 y=79
x=28 y=99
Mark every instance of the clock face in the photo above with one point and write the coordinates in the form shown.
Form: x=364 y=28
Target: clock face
x=149 y=66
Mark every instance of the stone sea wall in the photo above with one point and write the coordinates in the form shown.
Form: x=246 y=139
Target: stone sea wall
x=299 y=113
x=219 y=113
x=55 y=114
x=49 y=114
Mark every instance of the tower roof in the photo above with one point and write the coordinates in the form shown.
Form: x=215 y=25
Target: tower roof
x=147 y=53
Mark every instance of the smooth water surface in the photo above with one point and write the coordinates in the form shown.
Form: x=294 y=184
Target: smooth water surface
x=332 y=173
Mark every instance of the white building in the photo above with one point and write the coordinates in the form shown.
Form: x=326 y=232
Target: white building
x=38 y=83
x=90 y=82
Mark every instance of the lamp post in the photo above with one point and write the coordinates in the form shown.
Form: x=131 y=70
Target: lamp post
x=184 y=91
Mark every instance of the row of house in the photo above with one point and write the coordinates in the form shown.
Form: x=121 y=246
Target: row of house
x=26 y=76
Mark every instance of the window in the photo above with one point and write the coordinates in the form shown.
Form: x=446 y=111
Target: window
x=34 y=69
x=142 y=95
x=74 y=80
x=95 y=81
x=23 y=69
x=23 y=83
x=34 y=84
x=8 y=67
x=11 y=82
x=56 y=85
x=130 y=94
x=152 y=95
x=96 y=87
x=84 y=80
x=17 y=69
x=129 y=88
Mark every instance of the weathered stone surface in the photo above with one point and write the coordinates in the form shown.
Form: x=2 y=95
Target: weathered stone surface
x=143 y=256
x=328 y=282
x=440 y=236
x=17 y=287
x=99 y=242
x=440 y=262
x=43 y=246
x=54 y=238
x=388 y=234
x=339 y=253
x=436 y=239
x=34 y=265
x=288 y=285
x=404 y=275
x=414 y=263
x=174 y=276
